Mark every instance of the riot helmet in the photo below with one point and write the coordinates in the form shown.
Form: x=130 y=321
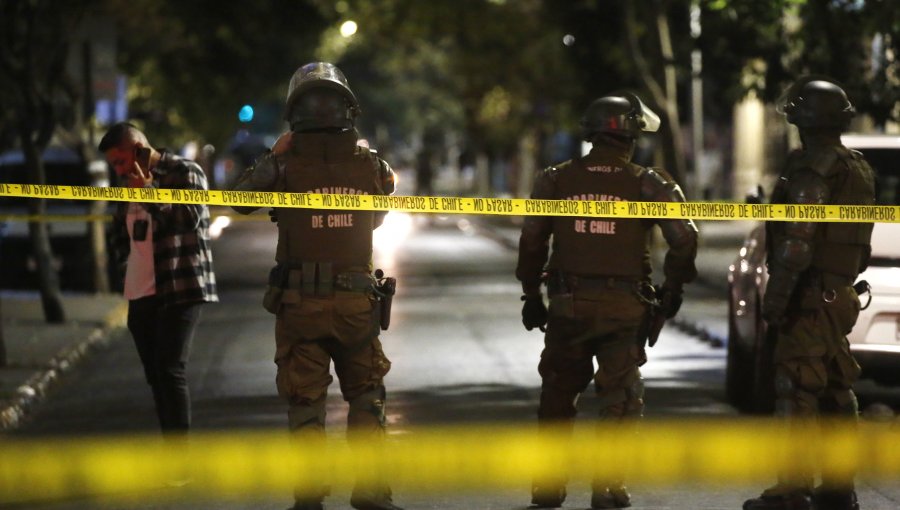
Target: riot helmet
x=620 y=114
x=816 y=102
x=319 y=97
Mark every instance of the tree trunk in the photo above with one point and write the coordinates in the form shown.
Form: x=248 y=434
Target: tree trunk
x=48 y=279
x=97 y=233
x=3 y=360
x=663 y=96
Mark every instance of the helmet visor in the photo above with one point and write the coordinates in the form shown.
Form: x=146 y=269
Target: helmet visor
x=647 y=118
x=651 y=119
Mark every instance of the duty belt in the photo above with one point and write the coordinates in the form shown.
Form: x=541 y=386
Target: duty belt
x=562 y=283
x=316 y=279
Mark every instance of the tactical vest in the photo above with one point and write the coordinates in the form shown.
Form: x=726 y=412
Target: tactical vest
x=328 y=163
x=838 y=248
x=586 y=246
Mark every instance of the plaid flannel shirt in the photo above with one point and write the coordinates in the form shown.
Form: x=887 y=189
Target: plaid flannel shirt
x=181 y=253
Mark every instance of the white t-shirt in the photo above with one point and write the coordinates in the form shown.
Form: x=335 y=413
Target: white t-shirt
x=140 y=275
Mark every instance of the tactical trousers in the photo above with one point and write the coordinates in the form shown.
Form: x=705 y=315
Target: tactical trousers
x=581 y=328
x=815 y=371
x=310 y=333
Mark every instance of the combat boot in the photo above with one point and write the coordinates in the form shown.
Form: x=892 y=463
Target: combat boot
x=318 y=505
x=790 y=501
x=547 y=497
x=378 y=498
x=610 y=497
x=834 y=499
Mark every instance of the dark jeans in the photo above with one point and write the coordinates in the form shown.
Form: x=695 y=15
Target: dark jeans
x=163 y=338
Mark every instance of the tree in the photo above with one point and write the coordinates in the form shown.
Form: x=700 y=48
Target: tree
x=639 y=45
x=658 y=74
x=214 y=57
x=853 y=42
x=443 y=68
x=3 y=360
x=33 y=52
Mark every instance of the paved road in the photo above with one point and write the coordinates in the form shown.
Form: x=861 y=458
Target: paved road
x=459 y=353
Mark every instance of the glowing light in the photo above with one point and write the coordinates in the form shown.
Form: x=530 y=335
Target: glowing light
x=388 y=238
x=218 y=225
x=568 y=39
x=246 y=113
x=348 y=28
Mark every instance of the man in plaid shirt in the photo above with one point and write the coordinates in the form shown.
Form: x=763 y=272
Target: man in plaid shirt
x=168 y=266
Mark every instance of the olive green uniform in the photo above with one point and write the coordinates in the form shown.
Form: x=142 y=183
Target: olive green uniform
x=322 y=288
x=812 y=269
x=598 y=280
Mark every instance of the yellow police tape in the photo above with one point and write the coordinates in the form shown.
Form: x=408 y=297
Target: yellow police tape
x=446 y=459
x=464 y=205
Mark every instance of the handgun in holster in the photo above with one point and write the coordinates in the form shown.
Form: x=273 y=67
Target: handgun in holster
x=654 y=317
x=862 y=287
x=275 y=289
x=385 y=287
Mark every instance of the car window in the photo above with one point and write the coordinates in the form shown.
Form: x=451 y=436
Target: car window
x=884 y=162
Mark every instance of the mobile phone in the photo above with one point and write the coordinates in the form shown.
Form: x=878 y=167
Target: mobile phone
x=142 y=157
x=139 y=230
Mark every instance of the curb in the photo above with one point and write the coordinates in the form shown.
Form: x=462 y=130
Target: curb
x=35 y=389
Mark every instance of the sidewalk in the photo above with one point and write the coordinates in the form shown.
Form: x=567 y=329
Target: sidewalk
x=38 y=353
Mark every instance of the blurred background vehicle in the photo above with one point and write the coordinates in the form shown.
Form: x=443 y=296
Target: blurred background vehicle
x=874 y=341
x=70 y=239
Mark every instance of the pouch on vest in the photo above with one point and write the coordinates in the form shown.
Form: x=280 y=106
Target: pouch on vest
x=275 y=289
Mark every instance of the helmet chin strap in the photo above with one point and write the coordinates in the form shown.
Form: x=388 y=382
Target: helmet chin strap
x=624 y=142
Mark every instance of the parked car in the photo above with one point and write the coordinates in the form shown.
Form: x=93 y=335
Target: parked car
x=874 y=341
x=70 y=240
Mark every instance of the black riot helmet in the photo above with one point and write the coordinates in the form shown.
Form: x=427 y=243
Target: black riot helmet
x=621 y=114
x=319 y=97
x=816 y=102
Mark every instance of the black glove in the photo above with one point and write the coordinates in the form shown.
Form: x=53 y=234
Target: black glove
x=670 y=299
x=534 y=312
x=273 y=215
x=778 y=293
x=774 y=307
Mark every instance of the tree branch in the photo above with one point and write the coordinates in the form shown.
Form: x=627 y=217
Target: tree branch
x=656 y=90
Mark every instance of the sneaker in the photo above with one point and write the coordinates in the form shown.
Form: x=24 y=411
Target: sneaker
x=611 y=497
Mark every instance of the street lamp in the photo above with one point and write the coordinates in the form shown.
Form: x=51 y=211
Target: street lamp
x=348 y=28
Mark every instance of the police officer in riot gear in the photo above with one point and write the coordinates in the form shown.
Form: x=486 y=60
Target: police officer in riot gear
x=322 y=290
x=598 y=280
x=810 y=297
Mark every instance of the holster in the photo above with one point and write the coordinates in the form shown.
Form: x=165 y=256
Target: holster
x=275 y=288
x=653 y=320
x=384 y=291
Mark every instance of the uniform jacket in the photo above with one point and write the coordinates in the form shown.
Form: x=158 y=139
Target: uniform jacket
x=323 y=163
x=802 y=255
x=603 y=247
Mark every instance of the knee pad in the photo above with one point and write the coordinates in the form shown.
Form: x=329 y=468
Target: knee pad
x=840 y=402
x=634 y=404
x=304 y=415
x=367 y=406
x=557 y=404
x=622 y=402
x=792 y=399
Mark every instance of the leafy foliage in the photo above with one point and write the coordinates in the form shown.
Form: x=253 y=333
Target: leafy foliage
x=194 y=64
